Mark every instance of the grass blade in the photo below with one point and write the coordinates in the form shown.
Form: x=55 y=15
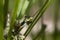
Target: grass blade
x=31 y=2
x=5 y=11
x=56 y=7
x=13 y=18
x=29 y=7
x=23 y=9
x=1 y=19
x=21 y=4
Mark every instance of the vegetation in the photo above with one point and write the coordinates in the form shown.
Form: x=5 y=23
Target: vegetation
x=15 y=15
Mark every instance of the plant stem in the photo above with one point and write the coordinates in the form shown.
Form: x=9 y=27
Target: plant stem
x=1 y=19
x=41 y=33
x=37 y=17
x=21 y=5
x=5 y=11
x=56 y=7
x=13 y=18
x=29 y=7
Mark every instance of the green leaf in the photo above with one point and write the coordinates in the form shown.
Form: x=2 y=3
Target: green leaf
x=24 y=7
x=31 y=2
x=19 y=14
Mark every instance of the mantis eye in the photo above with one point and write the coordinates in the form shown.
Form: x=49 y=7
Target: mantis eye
x=28 y=19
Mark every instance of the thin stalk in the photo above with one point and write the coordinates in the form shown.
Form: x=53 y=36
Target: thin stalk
x=42 y=25
x=29 y=7
x=26 y=10
x=21 y=5
x=5 y=11
x=1 y=19
x=37 y=17
x=42 y=34
x=40 y=2
x=13 y=18
x=56 y=5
